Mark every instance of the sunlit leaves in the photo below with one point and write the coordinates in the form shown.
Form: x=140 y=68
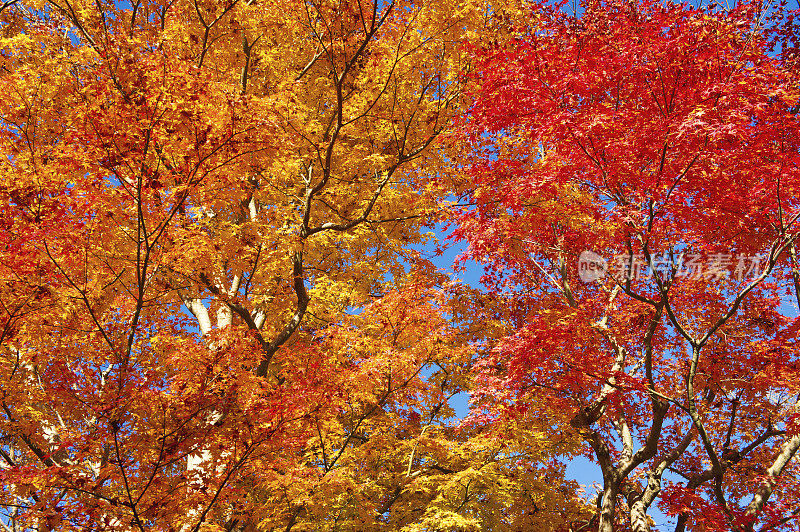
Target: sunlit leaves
x=662 y=139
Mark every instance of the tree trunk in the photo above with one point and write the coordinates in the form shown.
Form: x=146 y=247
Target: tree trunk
x=639 y=520
x=606 y=523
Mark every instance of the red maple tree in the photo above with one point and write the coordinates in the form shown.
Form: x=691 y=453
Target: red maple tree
x=658 y=143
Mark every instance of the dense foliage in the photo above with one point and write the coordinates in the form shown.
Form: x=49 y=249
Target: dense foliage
x=216 y=312
x=637 y=203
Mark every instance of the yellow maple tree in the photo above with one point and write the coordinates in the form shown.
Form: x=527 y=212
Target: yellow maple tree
x=214 y=312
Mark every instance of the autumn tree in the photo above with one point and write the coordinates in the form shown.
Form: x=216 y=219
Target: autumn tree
x=634 y=198
x=213 y=315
